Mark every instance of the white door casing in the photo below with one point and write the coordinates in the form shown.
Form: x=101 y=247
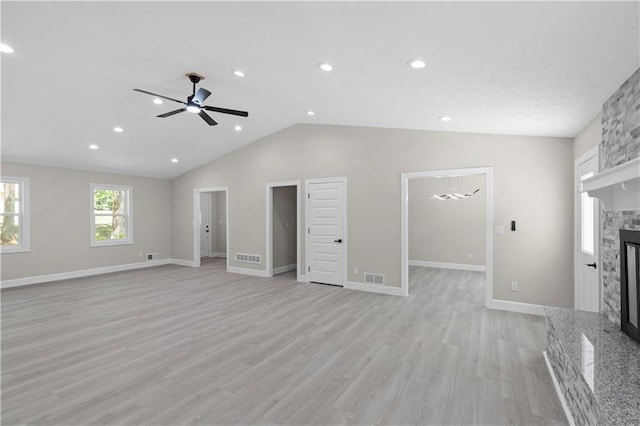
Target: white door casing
x=325 y=209
x=587 y=278
x=205 y=225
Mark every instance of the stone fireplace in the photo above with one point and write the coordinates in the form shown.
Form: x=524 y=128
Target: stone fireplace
x=620 y=144
x=593 y=363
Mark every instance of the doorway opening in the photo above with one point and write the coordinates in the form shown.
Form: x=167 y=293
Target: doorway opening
x=446 y=186
x=210 y=225
x=283 y=225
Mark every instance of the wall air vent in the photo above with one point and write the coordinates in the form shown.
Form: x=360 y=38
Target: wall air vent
x=377 y=279
x=152 y=256
x=248 y=258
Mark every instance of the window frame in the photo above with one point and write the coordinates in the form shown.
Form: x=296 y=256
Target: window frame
x=128 y=213
x=24 y=218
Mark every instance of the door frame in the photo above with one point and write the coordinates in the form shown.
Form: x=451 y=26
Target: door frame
x=207 y=195
x=196 y=220
x=404 y=223
x=307 y=220
x=593 y=152
x=268 y=256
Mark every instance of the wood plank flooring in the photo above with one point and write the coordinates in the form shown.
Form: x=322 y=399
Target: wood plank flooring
x=174 y=345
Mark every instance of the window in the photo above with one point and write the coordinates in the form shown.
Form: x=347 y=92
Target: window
x=587 y=206
x=111 y=218
x=14 y=214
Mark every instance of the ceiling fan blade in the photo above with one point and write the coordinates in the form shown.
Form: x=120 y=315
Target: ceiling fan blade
x=210 y=121
x=160 y=96
x=227 y=111
x=170 y=113
x=200 y=96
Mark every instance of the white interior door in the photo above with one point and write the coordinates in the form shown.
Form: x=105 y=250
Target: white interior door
x=588 y=289
x=205 y=225
x=326 y=207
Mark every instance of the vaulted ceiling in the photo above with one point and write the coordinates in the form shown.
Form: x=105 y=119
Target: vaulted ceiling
x=527 y=68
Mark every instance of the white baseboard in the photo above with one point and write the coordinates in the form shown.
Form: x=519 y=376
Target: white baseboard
x=303 y=279
x=444 y=265
x=219 y=254
x=382 y=289
x=18 y=282
x=285 y=268
x=523 y=308
x=247 y=271
x=181 y=262
x=556 y=385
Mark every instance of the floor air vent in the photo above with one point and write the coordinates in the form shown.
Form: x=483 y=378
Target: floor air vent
x=370 y=278
x=248 y=258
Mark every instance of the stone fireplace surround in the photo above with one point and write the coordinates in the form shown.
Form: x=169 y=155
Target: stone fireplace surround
x=596 y=366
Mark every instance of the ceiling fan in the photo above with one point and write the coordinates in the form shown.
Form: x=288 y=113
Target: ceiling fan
x=195 y=102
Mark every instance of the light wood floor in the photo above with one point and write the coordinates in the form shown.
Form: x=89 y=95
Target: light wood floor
x=175 y=345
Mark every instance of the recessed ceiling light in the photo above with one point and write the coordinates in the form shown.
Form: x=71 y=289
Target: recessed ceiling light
x=93 y=146
x=237 y=128
x=118 y=129
x=5 y=48
x=311 y=113
x=239 y=73
x=174 y=160
x=324 y=66
x=157 y=101
x=445 y=118
x=417 y=63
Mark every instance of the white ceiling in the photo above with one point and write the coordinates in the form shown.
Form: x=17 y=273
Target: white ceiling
x=538 y=68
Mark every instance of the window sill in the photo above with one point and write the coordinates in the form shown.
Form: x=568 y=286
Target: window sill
x=110 y=243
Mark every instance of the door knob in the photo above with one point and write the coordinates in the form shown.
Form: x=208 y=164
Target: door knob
x=338 y=240
x=593 y=265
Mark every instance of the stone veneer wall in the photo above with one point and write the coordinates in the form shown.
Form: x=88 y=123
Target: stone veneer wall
x=620 y=143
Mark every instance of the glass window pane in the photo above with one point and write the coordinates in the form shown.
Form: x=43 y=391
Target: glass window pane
x=587 y=222
x=109 y=200
x=9 y=195
x=110 y=227
x=632 y=299
x=10 y=235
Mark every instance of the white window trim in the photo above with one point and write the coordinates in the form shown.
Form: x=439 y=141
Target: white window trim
x=24 y=217
x=129 y=212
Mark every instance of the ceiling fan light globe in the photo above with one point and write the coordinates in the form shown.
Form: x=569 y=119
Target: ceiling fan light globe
x=193 y=108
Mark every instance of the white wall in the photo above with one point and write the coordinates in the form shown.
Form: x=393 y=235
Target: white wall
x=447 y=231
x=589 y=137
x=218 y=223
x=532 y=184
x=60 y=235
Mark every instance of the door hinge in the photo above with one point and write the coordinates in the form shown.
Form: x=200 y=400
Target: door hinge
x=308 y=230
x=309 y=195
x=309 y=268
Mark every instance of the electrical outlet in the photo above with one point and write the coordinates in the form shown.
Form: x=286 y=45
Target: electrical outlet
x=514 y=286
x=140 y=254
x=470 y=256
x=355 y=269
